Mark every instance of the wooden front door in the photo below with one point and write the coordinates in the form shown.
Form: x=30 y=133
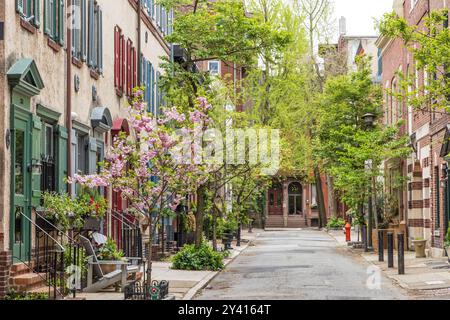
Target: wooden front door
x=20 y=226
x=276 y=201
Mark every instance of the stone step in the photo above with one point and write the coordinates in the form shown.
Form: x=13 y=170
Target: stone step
x=27 y=282
x=19 y=269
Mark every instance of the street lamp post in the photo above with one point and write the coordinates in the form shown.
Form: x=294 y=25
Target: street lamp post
x=369 y=120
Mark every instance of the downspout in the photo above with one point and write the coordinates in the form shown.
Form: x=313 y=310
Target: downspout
x=69 y=96
x=139 y=44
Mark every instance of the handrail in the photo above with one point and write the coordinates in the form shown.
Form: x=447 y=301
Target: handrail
x=55 y=227
x=46 y=233
x=39 y=275
x=118 y=214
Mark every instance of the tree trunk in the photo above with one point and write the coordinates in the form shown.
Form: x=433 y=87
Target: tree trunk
x=331 y=198
x=214 y=230
x=150 y=250
x=320 y=199
x=199 y=216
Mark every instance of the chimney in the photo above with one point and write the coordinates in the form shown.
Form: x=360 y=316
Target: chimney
x=342 y=26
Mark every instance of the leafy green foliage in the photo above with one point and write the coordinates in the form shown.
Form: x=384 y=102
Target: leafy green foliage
x=351 y=152
x=202 y=258
x=430 y=47
x=110 y=252
x=71 y=213
x=336 y=223
x=26 y=296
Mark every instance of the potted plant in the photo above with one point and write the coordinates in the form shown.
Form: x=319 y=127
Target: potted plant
x=109 y=252
x=419 y=247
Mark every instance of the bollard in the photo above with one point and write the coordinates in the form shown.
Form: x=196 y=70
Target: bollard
x=380 y=246
x=401 y=253
x=390 y=238
x=364 y=237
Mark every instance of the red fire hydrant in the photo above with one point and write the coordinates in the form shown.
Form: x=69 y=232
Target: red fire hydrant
x=348 y=230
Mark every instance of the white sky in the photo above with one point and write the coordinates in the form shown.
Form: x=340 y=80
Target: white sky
x=360 y=14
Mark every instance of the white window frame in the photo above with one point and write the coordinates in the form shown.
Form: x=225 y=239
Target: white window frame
x=218 y=67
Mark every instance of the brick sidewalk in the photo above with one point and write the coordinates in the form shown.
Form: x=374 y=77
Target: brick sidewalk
x=420 y=274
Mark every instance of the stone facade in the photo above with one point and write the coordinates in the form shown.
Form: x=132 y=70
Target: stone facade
x=68 y=81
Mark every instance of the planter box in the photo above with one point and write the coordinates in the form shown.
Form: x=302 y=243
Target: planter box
x=92 y=224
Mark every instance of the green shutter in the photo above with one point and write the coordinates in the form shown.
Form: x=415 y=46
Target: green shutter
x=37 y=13
x=92 y=156
x=36 y=152
x=19 y=6
x=48 y=17
x=61 y=20
x=100 y=41
x=61 y=161
x=74 y=160
x=83 y=30
x=91 y=34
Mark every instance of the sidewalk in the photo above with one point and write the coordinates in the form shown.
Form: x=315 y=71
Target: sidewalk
x=183 y=285
x=420 y=274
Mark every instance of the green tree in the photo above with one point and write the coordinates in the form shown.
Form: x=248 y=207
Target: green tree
x=344 y=143
x=430 y=48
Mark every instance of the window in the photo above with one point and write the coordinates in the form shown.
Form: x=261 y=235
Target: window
x=79 y=32
x=313 y=196
x=125 y=64
x=95 y=27
x=82 y=154
x=54 y=20
x=413 y=3
x=29 y=9
x=48 y=177
x=214 y=68
x=148 y=79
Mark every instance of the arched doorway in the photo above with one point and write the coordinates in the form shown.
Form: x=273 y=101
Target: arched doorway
x=295 y=193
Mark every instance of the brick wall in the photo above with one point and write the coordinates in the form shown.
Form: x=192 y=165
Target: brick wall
x=5 y=264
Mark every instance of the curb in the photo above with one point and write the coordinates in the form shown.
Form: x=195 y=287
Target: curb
x=205 y=281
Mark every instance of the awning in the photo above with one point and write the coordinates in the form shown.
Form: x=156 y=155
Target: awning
x=101 y=119
x=120 y=125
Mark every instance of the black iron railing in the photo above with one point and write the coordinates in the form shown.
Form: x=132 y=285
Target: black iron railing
x=153 y=291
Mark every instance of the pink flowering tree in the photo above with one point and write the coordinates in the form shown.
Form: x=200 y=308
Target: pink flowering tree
x=159 y=165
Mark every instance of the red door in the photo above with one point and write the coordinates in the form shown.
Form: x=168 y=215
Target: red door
x=276 y=201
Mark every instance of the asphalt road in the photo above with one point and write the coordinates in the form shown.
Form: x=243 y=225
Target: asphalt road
x=300 y=265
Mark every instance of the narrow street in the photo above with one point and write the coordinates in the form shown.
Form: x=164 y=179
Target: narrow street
x=304 y=265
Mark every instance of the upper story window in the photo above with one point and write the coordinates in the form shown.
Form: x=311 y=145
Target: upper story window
x=125 y=63
x=54 y=20
x=29 y=10
x=95 y=36
x=162 y=17
x=214 y=67
x=79 y=32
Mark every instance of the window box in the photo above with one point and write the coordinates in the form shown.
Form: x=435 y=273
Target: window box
x=52 y=44
x=27 y=26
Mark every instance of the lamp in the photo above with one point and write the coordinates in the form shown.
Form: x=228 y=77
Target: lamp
x=35 y=167
x=369 y=119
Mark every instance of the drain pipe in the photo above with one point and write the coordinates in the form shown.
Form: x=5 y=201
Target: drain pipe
x=139 y=44
x=69 y=96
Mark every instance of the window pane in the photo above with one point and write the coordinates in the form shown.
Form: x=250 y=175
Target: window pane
x=291 y=205
x=18 y=225
x=298 y=204
x=19 y=165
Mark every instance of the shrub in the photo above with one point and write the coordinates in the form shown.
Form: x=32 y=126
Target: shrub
x=26 y=296
x=203 y=258
x=336 y=223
